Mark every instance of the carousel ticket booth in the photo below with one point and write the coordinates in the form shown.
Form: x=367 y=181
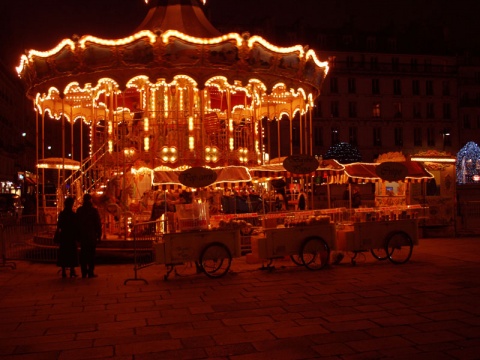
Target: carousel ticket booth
x=396 y=181
x=394 y=189
x=437 y=193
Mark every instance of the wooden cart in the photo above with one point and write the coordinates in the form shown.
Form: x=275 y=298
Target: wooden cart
x=307 y=245
x=390 y=239
x=211 y=250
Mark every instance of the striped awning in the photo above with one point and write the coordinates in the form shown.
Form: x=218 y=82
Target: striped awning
x=366 y=172
x=228 y=174
x=326 y=168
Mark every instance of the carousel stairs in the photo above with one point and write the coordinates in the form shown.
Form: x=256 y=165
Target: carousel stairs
x=90 y=176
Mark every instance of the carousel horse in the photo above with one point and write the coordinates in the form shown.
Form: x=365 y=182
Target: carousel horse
x=115 y=200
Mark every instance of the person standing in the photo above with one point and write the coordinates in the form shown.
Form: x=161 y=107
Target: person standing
x=302 y=201
x=68 y=227
x=356 y=198
x=90 y=230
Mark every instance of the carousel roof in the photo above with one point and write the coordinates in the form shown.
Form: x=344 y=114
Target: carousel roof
x=185 y=16
x=175 y=39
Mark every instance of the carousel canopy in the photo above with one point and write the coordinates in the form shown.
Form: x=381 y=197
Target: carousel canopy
x=176 y=92
x=58 y=163
x=174 y=39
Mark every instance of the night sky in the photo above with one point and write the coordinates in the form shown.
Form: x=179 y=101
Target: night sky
x=41 y=24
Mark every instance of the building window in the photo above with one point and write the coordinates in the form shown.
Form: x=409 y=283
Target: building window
x=466 y=122
x=417 y=136
x=334 y=85
x=397 y=110
x=429 y=87
x=361 y=64
x=417 y=110
x=371 y=43
x=446 y=88
x=430 y=110
x=447 y=111
x=352 y=109
x=347 y=40
x=377 y=136
x=322 y=40
x=376 y=86
x=353 y=135
x=374 y=63
x=415 y=87
x=352 y=86
x=414 y=64
x=447 y=137
x=333 y=62
x=376 y=110
x=334 y=109
x=350 y=61
x=335 y=136
x=477 y=77
x=427 y=65
x=395 y=63
x=392 y=45
x=397 y=87
x=431 y=136
x=318 y=135
x=398 y=136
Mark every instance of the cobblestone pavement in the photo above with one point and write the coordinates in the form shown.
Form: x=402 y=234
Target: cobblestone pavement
x=425 y=309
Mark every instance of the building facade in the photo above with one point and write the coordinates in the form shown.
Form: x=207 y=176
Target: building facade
x=17 y=133
x=390 y=89
x=388 y=102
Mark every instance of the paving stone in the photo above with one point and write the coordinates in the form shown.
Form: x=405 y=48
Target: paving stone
x=425 y=309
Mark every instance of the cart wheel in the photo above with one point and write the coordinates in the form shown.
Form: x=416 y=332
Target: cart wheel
x=399 y=247
x=379 y=254
x=297 y=259
x=215 y=260
x=315 y=253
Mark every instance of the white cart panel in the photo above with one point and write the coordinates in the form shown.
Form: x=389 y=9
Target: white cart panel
x=281 y=242
x=372 y=234
x=187 y=246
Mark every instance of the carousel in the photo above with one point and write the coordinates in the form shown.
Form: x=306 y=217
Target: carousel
x=176 y=94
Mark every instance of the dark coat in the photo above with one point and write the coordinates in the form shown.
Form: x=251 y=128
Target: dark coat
x=356 y=200
x=67 y=251
x=302 y=202
x=90 y=225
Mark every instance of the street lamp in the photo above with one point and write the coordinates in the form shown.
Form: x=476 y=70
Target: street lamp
x=24 y=188
x=445 y=135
